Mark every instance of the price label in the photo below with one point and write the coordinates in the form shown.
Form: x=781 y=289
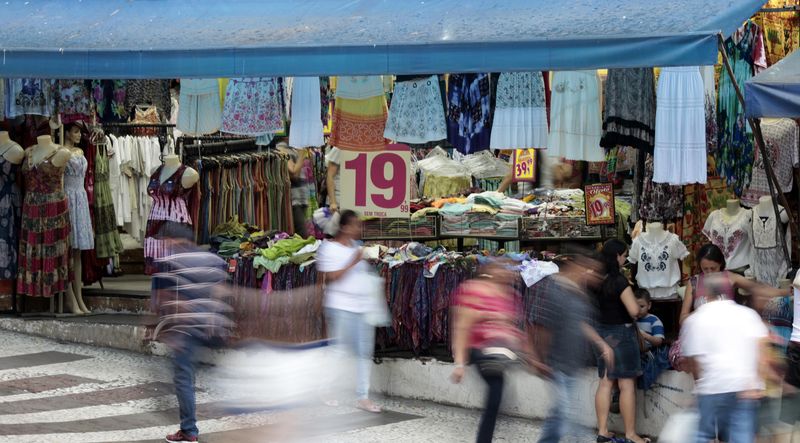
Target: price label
x=599 y=204
x=376 y=184
x=524 y=165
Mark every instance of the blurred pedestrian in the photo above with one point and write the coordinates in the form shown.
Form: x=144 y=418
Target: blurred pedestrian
x=724 y=344
x=190 y=294
x=618 y=313
x=299 y=182
x=486 y=318
x=790 y=403
x=560 y=328
x=348 y=300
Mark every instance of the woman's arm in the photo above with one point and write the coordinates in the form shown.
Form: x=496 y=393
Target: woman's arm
x=688 y=301
x=296 y=166
x=629 y=300
x=330 y=183
x=463 y=319
x=605 y=350
x=754 y=287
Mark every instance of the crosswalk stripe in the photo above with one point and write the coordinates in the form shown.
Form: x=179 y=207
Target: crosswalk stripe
x=38 y=359
x=35 y=385
x=80 y=400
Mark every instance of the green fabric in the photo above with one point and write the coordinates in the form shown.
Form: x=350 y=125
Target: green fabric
x=488 y=201
x=286 y=247
x=299 y=259
x=229 y=248
x=270 y=265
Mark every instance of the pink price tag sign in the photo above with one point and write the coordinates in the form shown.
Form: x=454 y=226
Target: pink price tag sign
x=376 y=184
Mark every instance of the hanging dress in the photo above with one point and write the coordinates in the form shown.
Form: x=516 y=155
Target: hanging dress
x=44 y=240
x=9 y=215
x=74 y=100
x=417 y=112
x=520 y=115
x=575 y=123
x=107 y=239
x=659 y=201
x=735 y=157
x=199 y=110
x=469 y=112
x=680 y=139
x=252 y=106
x=359 y=115
x=81 y=236
x=629 y=103
x=782 y=138
x=169 y=217
x=306 y=117
x=769 y=262
x=110 y=100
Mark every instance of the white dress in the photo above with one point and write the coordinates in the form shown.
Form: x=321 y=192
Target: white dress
x=306 y=113
x=732 y=235
x=416 y=114
x=199 y=111
x=576 y=126
x=769 y=261
x=659 y=271
x=520 y=116
x=680 y=146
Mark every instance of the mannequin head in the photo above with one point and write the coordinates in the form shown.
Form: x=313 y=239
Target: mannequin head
x=711 y=259
x=72 y=135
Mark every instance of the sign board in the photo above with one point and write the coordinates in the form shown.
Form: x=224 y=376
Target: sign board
x=376 y=184
x=524 y=165
x=599 y=204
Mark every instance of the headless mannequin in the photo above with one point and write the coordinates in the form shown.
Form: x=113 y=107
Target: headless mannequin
x=656 y=232
x=72 y=138
x=764 y=208
x=732 y=207
x=10 y=150
x=171 y=164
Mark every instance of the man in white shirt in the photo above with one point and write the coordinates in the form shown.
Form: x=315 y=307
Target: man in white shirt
x=790 y=407
x=724 y=342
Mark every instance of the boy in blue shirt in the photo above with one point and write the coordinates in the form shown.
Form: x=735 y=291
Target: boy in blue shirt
x=650 y=326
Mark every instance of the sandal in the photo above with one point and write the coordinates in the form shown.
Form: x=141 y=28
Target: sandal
x=604 y=439
x=367 y=405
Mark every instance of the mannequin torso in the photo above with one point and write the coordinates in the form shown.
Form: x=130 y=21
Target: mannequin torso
x=10 y=150
x=655 y=232
x=44 y=149
x=764 y=208
x=171 y=164
x=732 y=207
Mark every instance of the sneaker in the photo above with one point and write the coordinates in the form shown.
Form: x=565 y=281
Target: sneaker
x=180 y=437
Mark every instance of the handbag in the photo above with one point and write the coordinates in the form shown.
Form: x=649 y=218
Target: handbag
x=378 y=315
x=494 y=361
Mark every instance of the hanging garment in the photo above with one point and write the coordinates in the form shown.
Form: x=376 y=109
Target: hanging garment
x=44 y=240
x=575 y=124
x=359 y=116
x=199 y=110
x=658 y=271
x=659 y=201
x=699 y=201
x=74 y=100
x=780 y=30
x=29 y=96
x=782 y=137
x=110 y=100
x=469 y=112
x=769 y=262
x=629 y=103
x=710 y=87
x=168 y=214
x=9 y=216
x=680 y=139
x=149 y=93
x=520 y=115
x=732 y=234
x=306 y=122
x=417 y=112
x=107 y=239
x=3 y=98
x=81 y=236
x=735 y=158
x=252 y=106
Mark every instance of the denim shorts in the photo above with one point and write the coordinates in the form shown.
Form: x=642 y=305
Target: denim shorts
x=627 y=358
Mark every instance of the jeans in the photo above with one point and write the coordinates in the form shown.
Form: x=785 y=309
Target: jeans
x=183 y=365
x=494 y=397
x=735 y=418
x=562 y=420
x=351 y=333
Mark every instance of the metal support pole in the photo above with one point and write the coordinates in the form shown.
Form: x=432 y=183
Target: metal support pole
x=774 y=186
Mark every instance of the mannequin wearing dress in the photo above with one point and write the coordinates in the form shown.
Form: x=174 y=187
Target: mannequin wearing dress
x=769 y=262
x=658 y=252
x=730 y=229
x=83 y=234
x=189 y=178
x=11 y=155
x=10 y=150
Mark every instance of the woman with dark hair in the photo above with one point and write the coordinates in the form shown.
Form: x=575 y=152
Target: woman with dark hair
x=618 y=310
x=348 y=300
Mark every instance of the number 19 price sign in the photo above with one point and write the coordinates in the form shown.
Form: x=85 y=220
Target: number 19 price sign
x=376 y=184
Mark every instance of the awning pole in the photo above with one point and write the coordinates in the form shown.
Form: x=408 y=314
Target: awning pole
x=774 y=187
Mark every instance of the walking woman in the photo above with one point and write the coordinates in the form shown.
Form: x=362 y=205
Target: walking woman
x=486 y=332
x=618 y=309
x=347 y=300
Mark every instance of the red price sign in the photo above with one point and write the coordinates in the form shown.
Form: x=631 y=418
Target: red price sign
x=376 y=184
x=599 y=204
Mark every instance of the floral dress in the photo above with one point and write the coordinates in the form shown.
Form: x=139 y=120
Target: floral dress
x=109 y=97
x=107 y=239
x=252 y=107
x=9 y=218
x=469 y=114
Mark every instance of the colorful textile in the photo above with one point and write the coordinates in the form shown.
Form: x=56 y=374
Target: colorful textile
x=44 y=244
x=698 y=202
x=417 y=112
x=9 y=217
x=659 y=201
x=782 y=137
x=149 y=93
x=469 y=113
x=74 y=100
x=167 y=216
x=252 y=106
x=629 y=102
x=520 y=114
x=82 y=235
x=107 y=241
x=781 y=30
x=358 y=125
x=110 y=98
x=32 y=96
x=735 y=158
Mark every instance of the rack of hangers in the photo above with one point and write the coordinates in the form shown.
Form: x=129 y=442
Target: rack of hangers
x=198 y=150
x=793 y=8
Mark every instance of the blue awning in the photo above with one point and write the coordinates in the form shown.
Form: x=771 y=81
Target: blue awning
x=775 y=92
x=212 y=38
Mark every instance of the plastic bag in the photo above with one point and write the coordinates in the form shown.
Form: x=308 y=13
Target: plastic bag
x=680 y=428
x=378 y=315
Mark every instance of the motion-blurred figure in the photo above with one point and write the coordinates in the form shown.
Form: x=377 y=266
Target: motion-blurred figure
x=188 y=293
x=486 y=313
x=724 y=343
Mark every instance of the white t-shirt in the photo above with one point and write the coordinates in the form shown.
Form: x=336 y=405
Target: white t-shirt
x=349 y=292
x=333 y=156
x=724 y=338
x=732 y=235
x=659 y=271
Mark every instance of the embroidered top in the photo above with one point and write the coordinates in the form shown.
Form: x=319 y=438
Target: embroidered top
x=658 y=261
x=732 y=235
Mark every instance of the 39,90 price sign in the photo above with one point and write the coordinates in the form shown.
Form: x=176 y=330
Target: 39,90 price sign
x=524 y=165
x=376 y=184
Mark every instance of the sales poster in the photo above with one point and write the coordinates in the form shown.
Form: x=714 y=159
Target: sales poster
x=376 y=184
x=599 y=204
x=524 y=165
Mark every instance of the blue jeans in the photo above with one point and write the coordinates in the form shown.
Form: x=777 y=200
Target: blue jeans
x=183 y=379
x=733 y=417
x=351 y=333
x=562 y=421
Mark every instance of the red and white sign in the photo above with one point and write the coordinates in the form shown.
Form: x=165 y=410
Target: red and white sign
x=376 y=184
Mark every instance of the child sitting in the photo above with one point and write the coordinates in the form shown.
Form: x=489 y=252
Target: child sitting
x=655 y=356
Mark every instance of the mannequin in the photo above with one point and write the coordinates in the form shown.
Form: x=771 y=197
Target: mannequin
x=172 y=162
x=10 y=150
x=44 y=148
x=729 y=228
x=79 y=214
x=769 y=263
x=658 y=253
x=732 y=207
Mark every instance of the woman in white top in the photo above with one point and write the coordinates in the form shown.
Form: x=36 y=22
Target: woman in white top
x=347 y=300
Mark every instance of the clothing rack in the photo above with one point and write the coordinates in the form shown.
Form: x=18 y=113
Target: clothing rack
x=794 y=8
x=221 y=147
x=138 y=125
